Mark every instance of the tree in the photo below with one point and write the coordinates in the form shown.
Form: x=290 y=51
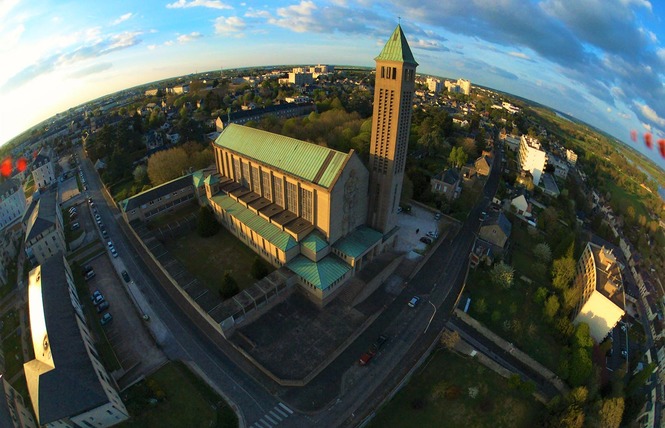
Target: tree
x=229 y=286
x=457 y=157
x=207 y=223
x=166 y=165
x=582 y=336
x=502 y=275
x=551 y=307
x=611 y=412
x=543 y=252
x=563 y=272
x=140 y=174
x=259 y=268
x=450 y=339
x=581 y=367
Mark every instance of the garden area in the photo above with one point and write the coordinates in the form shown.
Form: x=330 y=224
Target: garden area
x=175 y=397
x=209 y=259
x=463 y=393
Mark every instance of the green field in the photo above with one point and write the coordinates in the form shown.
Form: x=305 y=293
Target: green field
x=441 y=395
x=179 y=399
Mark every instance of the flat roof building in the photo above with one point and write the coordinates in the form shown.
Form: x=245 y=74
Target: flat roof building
x=532 y=157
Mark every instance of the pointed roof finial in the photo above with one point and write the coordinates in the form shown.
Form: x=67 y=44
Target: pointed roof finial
x=397 y=49
x=399 y=20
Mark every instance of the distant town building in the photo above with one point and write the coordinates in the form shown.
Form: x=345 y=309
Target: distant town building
x=13 y=413
x=571 y=157
x=433 y=84
x=315 y=70
x=43 y=171
x=68 y=384
x=462 y=86
x=560 y=166
x=601 y=304
x=301 y=79
x=12 y=202
x=512 y=142
x=178 y=89
x=532 y=157
x=151 y=92
x=510 y=108
x=282 y=111
x=44 y=235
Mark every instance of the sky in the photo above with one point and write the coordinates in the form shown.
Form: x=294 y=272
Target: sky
x=601 y=61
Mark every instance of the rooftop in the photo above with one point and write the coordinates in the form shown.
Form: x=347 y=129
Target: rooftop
x=43 y=216
x=397 y=49
x=70 y=386
x=320 y=274
x=156 y=192
x=357 y=242
x=311 y=162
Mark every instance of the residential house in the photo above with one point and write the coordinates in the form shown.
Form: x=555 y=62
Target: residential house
x=521 y=205
x=483 y=165
x=68 y=384
x=496 y=229
x=446 y=183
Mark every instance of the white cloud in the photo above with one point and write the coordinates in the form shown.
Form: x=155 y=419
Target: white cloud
x=519 y=55
x=152 y=47
x=123 y=18
x=609 y=110
x=646 y=126
x=253 y=13
x=232 y=25
x=650 y=114
x=297 y=17
x=186 y=38
x=6 y=6
x=168 y=43
x=9 y=38
x=643 y=3
x=623 y=115
x=212 y=4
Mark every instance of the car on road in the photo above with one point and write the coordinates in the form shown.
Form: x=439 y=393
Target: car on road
x=97 y=217
x=371 y=352
x=426 y=240
x=483 y=216
x=624 y=353
x=114 y=253
x=106 y=318
x=414 y=301
x=125 y=276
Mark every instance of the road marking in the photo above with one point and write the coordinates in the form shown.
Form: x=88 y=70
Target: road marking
x=286 y=408
x=278 y=410
x=274 y=415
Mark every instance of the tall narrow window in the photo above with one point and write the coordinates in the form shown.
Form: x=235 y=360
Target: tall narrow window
x=307 y=205
x=265 y=183
x=256 y=183
x=245 y=175
x=279 y=192
x=292 y=197
x=236 y=167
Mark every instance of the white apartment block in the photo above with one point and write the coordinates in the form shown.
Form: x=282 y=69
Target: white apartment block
x=571 y=157
x=315 y=70
x=12 y=202
x=510 y=108
x=433 y=84
x=43 y=171
x=44 y=235
x=462 y=86
x=301 y=79
x=68 y=384
x=532 y=157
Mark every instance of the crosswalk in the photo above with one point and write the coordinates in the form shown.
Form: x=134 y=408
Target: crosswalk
x=274 y=417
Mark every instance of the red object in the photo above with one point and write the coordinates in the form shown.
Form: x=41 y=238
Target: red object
x=648 y=140
x=661 y=146
x=633 y=136
x=21 y=164
x=6 y=167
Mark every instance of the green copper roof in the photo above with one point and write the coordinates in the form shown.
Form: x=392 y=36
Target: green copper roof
x=258 y=224
x=197 y=177
x=311 y=162
x=212 y=179
x=397 y=49
x=357 y=242
x=328 y=270
x=315 y=241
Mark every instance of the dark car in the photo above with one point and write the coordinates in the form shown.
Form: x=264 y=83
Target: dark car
x=125 y=276
x=426 y=240
x=102 y=306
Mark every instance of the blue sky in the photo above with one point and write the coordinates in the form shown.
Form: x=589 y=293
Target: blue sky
x=602 y=61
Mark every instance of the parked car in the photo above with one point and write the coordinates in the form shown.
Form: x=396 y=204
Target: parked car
x=102 y=306
x=76 y=226
x=433 y=234
x=425 y=240
x=414 y=301
x=114 y=253
x=483 y=216
x=95 y=295
x=437 y=216
x=90 y=274
x=99 y=299
x=125 y=276
x=72 y=210
x=371 y=352
x=106 y=318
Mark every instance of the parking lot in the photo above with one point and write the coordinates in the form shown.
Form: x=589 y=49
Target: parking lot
x=127 y=333
x=414 y=225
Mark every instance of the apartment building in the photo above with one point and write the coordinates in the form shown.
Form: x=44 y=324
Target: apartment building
x=68 y=384
x=44 y=234
x=43 y=171
x=13 y=413
x=598 y=278
x=12 y=202
x=532 y=157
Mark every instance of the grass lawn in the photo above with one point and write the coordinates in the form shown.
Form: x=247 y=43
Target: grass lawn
x=441 y=395
x=186 y=401
x=181 y=213
x=209 y=258
x=621 y=197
